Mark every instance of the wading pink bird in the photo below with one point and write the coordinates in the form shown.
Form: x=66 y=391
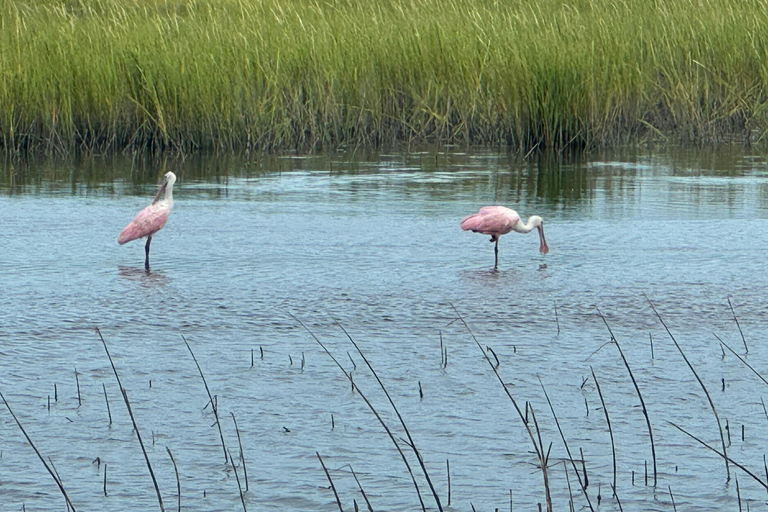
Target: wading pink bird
x=498 y=220
x=151 y=219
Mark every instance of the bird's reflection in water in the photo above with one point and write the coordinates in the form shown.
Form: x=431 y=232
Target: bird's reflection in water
x=143 y=277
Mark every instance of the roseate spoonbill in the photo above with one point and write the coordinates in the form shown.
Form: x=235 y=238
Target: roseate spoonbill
x=151 y=219
x=498 y=220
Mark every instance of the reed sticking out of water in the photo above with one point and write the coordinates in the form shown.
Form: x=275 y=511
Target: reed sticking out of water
x=330 y=480
x=711 y=448
x=105 y=479
x=583 y=483
x=674 y=507
x=448 y=472
x=618 y=501
x=411 y=442
x=39 y=456
x=106 y=399
x=239 y=488
x=746 y=349
x=724 y=344
x=557 y=320
x=242 y=453
x=214 y=407
x=362 y=491
x=637 y=390
x=650 y=337
x=738 y=491
x=537 y=445
x=133 y=420
x=370 y=406
x=77 y=382
x=610 y=429
x=178 y=480
x=570 y=490
x=701 y=383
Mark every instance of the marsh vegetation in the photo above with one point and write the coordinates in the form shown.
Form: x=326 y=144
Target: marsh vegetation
x=268 y=74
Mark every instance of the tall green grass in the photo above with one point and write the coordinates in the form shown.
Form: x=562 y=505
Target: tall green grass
x=268 y=74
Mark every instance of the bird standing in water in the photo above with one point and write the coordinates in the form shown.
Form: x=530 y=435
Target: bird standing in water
x=498 y=220
x=151 y=219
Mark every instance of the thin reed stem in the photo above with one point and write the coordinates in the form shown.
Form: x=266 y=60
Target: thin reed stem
x=582 y=483
x=701 y=383
x=106 y=399
x=39 y=456
x=214 y=406
x=743 y=339
x=242 y=453
x=239 y=488
x=744 y=362
x=370 y=406
x=330 y=480
x=610 y=430
x=637 y=390
x=133 y=421
x=178 y=481
x=411 y=442
x=362 y=491
x=740 y=466
x=537 y=446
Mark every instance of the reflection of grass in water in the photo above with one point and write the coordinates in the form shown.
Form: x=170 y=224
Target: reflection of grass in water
x=289 y=73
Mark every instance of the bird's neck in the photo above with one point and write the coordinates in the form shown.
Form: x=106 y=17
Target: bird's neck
x=165 y=194
x=524 y=228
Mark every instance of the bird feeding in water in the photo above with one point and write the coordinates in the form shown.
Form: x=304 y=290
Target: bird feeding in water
x=498 y=220
x=151 y=219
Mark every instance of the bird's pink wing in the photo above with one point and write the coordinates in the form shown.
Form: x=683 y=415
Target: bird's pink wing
x=149 y=220
x=491 y=220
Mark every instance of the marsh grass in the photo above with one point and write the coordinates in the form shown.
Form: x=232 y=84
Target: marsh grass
x=269 y=74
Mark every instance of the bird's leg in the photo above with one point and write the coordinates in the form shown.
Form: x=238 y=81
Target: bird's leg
x=146 y=252
x=496 y=253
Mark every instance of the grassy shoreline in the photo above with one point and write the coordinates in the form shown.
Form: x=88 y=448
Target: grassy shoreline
x=270 y=74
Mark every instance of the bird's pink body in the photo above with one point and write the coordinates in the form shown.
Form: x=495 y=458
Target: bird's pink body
x=491 y=220
x=151 y=219
x=499 y=220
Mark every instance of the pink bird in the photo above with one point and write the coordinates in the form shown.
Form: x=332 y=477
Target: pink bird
x=151 y=219
x=498 y=220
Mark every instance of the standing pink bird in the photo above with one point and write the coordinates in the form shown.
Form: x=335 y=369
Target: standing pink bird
x=498 y=220
x=151 y=219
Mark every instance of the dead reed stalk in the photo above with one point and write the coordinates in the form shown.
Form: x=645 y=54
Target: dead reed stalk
x=237 y=477
x=214 y=406
x=637 y=390
x=39 y=456
x=537 y=445
x=370 y=406
x=242 y=453
x=133 y=420
x=362 y=491
x=178 y=481
x=725 y=456
x=746 y=349
x=582 y=483
x=411 y=442
x=330 y=480
x=610 y=430
x=701 y=383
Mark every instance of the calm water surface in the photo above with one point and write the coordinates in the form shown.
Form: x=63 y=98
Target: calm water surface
x=373 y=242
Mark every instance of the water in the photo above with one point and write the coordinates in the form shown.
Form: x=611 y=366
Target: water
x=372 y=242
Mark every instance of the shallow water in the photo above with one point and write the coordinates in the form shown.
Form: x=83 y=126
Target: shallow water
x=372 y=242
